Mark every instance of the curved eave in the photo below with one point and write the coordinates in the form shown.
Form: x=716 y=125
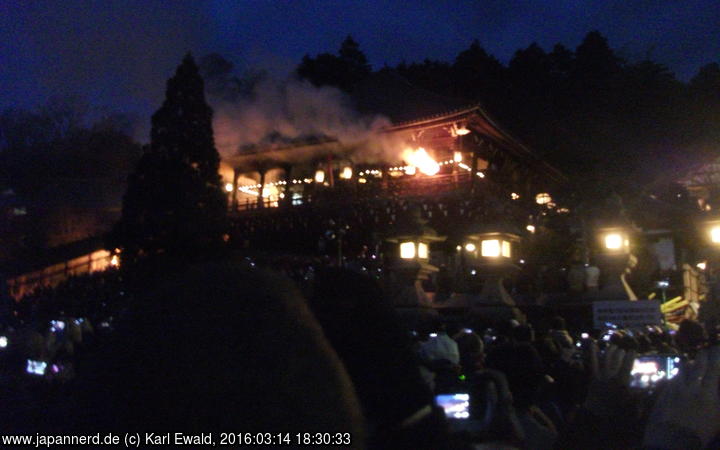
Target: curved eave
x=705 y=173
x=485 y=126
x=436 y=120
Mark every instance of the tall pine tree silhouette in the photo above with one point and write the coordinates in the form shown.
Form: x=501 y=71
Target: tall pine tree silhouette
x=174 y=210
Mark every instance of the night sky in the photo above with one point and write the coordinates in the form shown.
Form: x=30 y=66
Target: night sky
x=118 y=53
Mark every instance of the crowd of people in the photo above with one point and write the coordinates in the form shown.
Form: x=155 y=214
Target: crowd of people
x=235 y=346
x=93 y=295
x=557 y=395
x=46 y=339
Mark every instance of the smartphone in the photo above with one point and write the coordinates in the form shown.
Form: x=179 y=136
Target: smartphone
x=57 y=325
x=489 y=336
x=648 y=370
x=456 y=406
x=36 y=367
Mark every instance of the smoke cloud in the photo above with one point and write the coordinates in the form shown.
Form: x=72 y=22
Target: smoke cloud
x=280 y=112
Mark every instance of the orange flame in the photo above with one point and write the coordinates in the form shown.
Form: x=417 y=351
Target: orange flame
x=422 y=160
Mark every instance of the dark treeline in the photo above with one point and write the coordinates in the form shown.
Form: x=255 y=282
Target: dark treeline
x=57 y=162
x=590 y=112
x=63 y=139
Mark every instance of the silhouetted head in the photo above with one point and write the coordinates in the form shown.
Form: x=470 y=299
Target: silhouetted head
x=690 y=336
x=365 y=331
x=523 y=368
x=469 y=343
x=524 y=333
x=222 y=348
x=557 y=323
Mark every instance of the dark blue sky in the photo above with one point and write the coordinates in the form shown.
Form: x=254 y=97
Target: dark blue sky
x=120 y=52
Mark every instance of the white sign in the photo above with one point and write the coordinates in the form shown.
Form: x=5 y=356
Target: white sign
x=626 y=314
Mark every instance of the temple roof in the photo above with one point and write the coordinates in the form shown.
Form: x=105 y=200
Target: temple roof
x=410 y=110
x=704 y=174
x=478 y=120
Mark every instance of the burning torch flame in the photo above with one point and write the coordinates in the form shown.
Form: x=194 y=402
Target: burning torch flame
x=419 y=158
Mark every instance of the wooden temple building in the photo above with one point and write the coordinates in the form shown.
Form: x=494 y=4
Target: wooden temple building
x=466 y=147
x=703 y=184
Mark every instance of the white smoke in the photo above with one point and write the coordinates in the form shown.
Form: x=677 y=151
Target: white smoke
x=278 y=112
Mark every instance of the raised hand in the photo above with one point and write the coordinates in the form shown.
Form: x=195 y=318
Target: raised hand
x=687 y=412
x=610 y=378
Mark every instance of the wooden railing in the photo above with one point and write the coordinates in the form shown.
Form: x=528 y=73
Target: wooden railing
x=402 y=187
x=421 y=185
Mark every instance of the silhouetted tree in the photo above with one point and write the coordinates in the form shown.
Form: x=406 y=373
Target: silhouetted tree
x=43 y=147
x=436 y=76
x=704 y=109
x=51 y=163
x=58 y=118
x=561 y=63
x=595 y=61
x=20 y=129
x=649 y=108
x=354 y=61
x=65 y=115
x=478 y=75
x=529 y=75
x=345 y=70
x=707 y=81
x=174 y=209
